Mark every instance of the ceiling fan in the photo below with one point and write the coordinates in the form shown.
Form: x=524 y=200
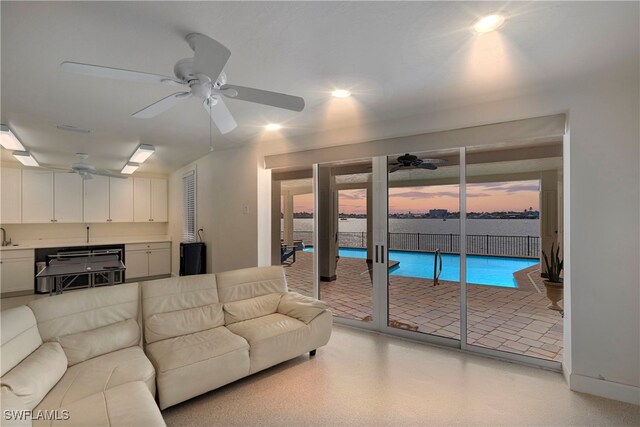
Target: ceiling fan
x=411 y=161
x=202 y=77
x=86 y=170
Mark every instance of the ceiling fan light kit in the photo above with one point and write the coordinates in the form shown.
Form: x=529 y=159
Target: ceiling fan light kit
x=201 y=77
x=8 y=140
x=142 y=153
x=129 y=168
x=25 y=158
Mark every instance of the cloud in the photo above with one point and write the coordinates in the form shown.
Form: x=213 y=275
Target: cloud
x=422 y=195
x=522 y=187
x=353 y=195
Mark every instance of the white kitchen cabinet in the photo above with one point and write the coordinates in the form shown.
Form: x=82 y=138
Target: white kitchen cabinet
x=96 y=199
x=11 y=196
x=17 y=270
x=159 y=200
x=147 y=260
x=141 y=199
x=37 y=196
x=67 y=203
x=150 y=199
x=120 y=200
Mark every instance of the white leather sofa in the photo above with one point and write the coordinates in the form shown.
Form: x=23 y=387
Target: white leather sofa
x=78 y=357
x=202 y=332
x=76 y=360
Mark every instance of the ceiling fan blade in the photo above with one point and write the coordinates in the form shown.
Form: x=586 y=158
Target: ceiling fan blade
x=161 y=106
x=106 y=173
x=395 y=168
x=220 y=115
x=435 y=161
x=429 y=166
x=117 y=73
x=210 y=56
x=274 y=99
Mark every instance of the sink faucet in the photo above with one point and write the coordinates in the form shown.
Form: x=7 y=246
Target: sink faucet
x=4 y=236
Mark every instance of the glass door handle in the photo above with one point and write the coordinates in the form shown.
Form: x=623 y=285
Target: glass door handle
x=376 y=253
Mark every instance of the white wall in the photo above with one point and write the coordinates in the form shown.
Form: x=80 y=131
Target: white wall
x=226 y=208
x=602 y=211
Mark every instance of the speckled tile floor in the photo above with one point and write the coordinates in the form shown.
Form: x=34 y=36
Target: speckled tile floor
x=367 y=379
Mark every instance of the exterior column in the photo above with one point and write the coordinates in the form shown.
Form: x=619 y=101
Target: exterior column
x=369 y=196
x=275 y=222
x=327 y=224
x=288 y=219
x=548 y=211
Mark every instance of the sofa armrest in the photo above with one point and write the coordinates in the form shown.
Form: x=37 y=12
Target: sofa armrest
x=301 y=307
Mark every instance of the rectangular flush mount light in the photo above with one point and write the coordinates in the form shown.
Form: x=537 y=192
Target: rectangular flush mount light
x=8 y=140
x=142 y=153
x=25 y=158
x=129 y=168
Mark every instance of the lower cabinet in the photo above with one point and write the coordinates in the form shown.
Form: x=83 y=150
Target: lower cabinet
x=147 y=260
x=17 y=270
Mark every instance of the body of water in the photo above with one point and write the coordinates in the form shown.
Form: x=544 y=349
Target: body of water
x=498 y=227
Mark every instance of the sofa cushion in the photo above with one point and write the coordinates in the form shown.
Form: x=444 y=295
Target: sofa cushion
x=250 y=283
x=179 y=306
x=101 y=373
x=19 y=336
x=251 y=308
x=193 y=364
x=273 y=339
x=128 y=404
x=301 y=307
x=87 y=310
x=38 y=373
x=89 y=344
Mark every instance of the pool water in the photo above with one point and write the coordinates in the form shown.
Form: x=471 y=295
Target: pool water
x=482 y=270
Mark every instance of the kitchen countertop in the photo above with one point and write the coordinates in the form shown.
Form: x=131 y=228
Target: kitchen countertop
x=54 y=243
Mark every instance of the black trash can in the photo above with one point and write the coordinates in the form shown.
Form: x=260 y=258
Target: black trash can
x=193 y=258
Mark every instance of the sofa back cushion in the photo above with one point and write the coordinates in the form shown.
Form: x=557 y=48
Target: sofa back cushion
x=250 y=283
x=38 y=373
x=246 y=309
x=19 y=336
x=81 y=317
x=179 y=306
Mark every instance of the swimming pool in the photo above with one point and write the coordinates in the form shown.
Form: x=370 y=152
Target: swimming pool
x=482 y=270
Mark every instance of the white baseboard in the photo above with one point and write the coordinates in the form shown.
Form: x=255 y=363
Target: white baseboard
x=610 y=390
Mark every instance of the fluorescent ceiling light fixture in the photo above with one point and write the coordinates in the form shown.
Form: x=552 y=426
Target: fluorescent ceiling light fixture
x=341 y=93
x=273 y=126
x=142 y=153
x=72 y=129
x=129 y=168
x=25 y=158
x=488 y=23
x=8 y=140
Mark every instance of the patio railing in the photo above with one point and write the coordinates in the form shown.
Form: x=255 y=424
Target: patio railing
x=477 y=244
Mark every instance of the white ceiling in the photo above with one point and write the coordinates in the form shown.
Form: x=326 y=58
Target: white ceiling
x=395 y=57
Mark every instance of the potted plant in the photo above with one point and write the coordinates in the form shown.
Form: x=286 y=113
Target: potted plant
x=553 y=282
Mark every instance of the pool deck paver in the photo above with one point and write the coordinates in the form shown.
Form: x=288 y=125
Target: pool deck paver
x=509 y=319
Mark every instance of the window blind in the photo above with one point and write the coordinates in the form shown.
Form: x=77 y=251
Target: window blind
x=189 y=207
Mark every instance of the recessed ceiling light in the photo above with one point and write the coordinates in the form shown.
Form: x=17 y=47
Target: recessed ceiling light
x=273 y=126
x=129 y=168
x=8 y=140
x=341 y=93
x=25 y=158
x=142 y=153
x=488 y=23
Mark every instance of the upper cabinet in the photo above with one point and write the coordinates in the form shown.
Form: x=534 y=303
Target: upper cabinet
x=96 y=199
x=11 y=196
x=150 y=200
x=67 y=197
x=37 y=196
x=120 y=200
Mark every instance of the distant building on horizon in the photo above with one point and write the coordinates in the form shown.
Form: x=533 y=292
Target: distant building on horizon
x=438 y=213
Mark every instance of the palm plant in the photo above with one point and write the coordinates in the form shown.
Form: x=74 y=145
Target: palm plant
x=553 y=267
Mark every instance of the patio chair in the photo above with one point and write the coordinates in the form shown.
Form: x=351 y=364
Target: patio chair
x=286 y=253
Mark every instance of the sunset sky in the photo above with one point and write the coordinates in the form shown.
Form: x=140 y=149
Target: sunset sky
x=487 y=197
